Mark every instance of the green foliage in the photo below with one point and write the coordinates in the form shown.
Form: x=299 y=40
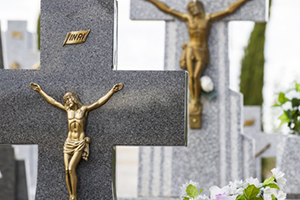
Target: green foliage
x=273 y=185
x=192 y=192
x=273 y=197
x=269 y=180
x=290 y=116
x=250 y=193
x=252 y=73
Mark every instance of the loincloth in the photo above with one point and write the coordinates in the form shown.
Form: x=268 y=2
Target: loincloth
x=193 y=53
x=73 y=146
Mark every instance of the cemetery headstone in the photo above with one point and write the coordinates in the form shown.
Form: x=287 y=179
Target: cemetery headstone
x=288 y=161
x=20 y=48
x=13 y=182
x=213 y=156
x=141 y=114
x=265 y=144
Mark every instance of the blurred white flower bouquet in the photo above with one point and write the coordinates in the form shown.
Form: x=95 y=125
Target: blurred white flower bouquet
x=251 y=189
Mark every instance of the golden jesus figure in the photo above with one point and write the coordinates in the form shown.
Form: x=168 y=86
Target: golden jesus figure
x=76 y=145
x=195 y=55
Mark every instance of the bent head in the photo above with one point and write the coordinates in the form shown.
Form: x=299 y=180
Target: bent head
x=71 y=100
x=196 y=8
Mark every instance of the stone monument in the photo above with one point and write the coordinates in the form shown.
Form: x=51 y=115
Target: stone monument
x=13 y=182
x=141 y=114
x=20 y=49
x=215 y=153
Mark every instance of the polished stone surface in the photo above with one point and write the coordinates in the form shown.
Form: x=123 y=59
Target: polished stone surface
x=141 y=114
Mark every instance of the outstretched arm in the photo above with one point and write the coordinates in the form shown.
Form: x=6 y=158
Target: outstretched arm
x=231 y=9
x=49 y=99
x=104 y=99
x=165 y=8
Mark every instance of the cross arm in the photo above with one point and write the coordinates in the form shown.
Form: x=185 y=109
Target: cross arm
x=231 y=9
x=105 y=98
x=165 y=8
x=49 y=99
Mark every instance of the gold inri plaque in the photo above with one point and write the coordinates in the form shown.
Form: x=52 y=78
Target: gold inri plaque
x=76 y=37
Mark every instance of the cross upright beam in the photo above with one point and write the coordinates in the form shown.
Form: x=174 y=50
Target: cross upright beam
x=141 y=114
x=1 y=51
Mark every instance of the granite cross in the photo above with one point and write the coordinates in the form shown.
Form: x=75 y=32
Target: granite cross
x=214 y=155
x=141 y=114
x=1 y=51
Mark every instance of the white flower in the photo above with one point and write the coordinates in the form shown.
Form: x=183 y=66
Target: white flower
x=184 y=187
x=280 y=196
x=216 y=192
x=254 y=181
x=207 y=84
x=237 y=187
x=268 y=192
x=201 y=197
x=281 y=182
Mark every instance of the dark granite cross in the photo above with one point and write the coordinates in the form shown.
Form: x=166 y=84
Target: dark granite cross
x=141 y=114
x=1 y=51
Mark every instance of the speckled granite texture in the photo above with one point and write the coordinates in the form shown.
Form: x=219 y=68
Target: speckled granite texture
x=1 y=51
x=141 y=114
x=255 y=10
x=212 y=151
x=8 y=167
x=288 y=162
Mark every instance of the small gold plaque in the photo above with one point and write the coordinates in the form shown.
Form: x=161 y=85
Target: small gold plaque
x=76 y=37
x=17 y=35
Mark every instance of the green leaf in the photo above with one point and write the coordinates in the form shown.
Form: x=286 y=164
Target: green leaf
x=200 y=191
x=186 y=198
x=297 y=87
x=284 y=118
x=273 y=197
x=273 y=185
x=276 y=105
x=192 y=191
x=240 y=197
x=251 y=192
x=269 y=180
x=295 y=102
x=281 y=98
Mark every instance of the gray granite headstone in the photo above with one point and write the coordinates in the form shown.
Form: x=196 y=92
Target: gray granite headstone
x=288 y=161
x=21 y=184
x=20 y=49
x=8 y=171
x=213 y=156
x=13 y=182
x=262 y=140
x=1 y=51
x=141 y=114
